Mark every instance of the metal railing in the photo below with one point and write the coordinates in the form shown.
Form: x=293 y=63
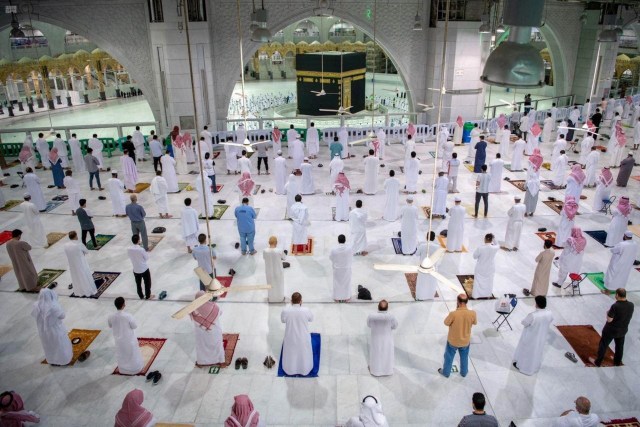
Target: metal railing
x=119 y=130
x=560 y=101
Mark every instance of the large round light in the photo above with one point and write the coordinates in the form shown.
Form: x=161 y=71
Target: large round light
x=514 y=65
x=608 y=36
x=484 y=28
x=261 y=35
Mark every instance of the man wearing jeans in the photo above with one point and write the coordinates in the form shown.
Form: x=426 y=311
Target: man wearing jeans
x=262 y=149
x=139 y=258
x=482 y=191
x=86 y=224
x=136 y=215
x=459 y=322
x=245 y=216
x=93 y=167
x=155 y=146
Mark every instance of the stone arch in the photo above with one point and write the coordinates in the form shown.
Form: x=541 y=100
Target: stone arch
x=558 y=60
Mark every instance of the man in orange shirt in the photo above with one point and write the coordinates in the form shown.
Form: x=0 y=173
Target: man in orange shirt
x=459 y=322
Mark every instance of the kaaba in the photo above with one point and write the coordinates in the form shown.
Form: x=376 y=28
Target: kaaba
x=343 y=76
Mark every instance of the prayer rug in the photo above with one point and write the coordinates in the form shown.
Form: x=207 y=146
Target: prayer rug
x=598 y=280
x=80 y=339
x=256 y=189
x=101 y=239
x=141 y=186
x=149 y=347
x=635 y=229
x=584 y=340
x=216 y=154
x=599 y=236
x=55 y=237
x=219 y=187
x=601 y=147
x=412 y=279
x=637 y=177
x=5 y=236
x=507 y=166
x=466 y=280
x=549 y=184
x=397 y=245
x=315 y=345
x=426 y=210
x=102 y=279
x=4 y=269
x=303 y=250
x=443 y=243
x=182 y=186
x=10 y=204
x=229 y=341
x=433 y=154
x=52 y=205
x=626 y=422
x=153 y=241
x=225 y=281
x=219 y=210
x=555 y=205
x=61 y=198
x=519 y=184
x=47 y=275
x=547 y=166
x=469 y=167
x=549 y=235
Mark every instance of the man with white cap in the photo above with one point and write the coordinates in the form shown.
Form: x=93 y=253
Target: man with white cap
x=455 y=232
x=280 y=173
x=371 y=167
x=514 y=225
x=308 y=186
x=440 y=195
x=411 y=172
x=409 y=227
x=621 y=263
x=116 y=191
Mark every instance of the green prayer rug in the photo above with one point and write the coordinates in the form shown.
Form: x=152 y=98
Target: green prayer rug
x=101 y=239
x=47 y=276
x=598 y=280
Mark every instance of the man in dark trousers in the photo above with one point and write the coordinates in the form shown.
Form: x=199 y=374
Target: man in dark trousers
x=618 y=318
x=596 y=118
x=86 y=224
x=131 y=149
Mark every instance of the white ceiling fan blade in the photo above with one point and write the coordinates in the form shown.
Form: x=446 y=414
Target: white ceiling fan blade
x=234 y=144
x=325 y=109
x=463 y=91
x=363 y=140
x=193 y=305
x=449 y=283
x=396 y=267
x=437 y=255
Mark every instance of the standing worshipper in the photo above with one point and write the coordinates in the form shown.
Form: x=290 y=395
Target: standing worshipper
x=626 y=167
x=585 y=148
x=36 y=235
x=168 y=167
x=443 y=136
x=516 y=216
x=208 y=137
x=341 y=259
x=517 y=154
x=81 y=277
x=475 y=138
x=73 y=191
x=341 y=188
x=56 y=168
x=409 y=147
x=299 y=215
x=409 y=227
x=128 y=355
x=452 y=173
x=42 y=146
x=591 y=164
x=447 y=153
x=138 y=141
x=204 y=195
x=533 y=138
x=392 y=194
x=53 y=335
x=116 y=191
x=485 y=268
x=208 y=167
x=619 y=222
x=636 y=134
x=96 y=149
x=32 y=182
x=596 y=119
x=343 y=137
x=276 y=137
x=244 y=163
x=481 y=155
x=559 y=167
x=483 y=180
x=179 y=147
x=292 y=188
x=569 y=212
x=621 y=262
x=570 y=260
x=603 y=188
x=547 y=128
x=609 y=108
x=381 y=346
x=190 y=225
x=460 y=321
x=262 y=148
x=188 y=145
x=136 y=215
x=618 y=145
x=274 y=270
x=617 y=325
x=296 y=152
x=205 y=256
x=246 y=220
x=208 y=333
x=358 y=224
x=532 y=183
x=455 y=232
x=22 y=263
x=245 y=186
x=243 y=414
x=505 y=140
x=371 y=166
x=575 y=182
x=411 y=172
x=139 y=259
x=129 y=171
x=132 y=414
x=558 y=146
x=130 y=149
x=335 y=149
x=584 y=114
x=308 y=187
x=574 y=118
x=280 y=173
x=441 y=188
x=495 y=172
x=297 y=353
x=76 y=154
x=159 y=191
x=84 y=216
x=458 y=130
x=335 y=167
x=62 y=151
x=544 y=260
x=524 y=125
x=292 y=135
x=313 y=141
x=529 y=352
x=92 y=163
x=155 y=147
x=26 y=155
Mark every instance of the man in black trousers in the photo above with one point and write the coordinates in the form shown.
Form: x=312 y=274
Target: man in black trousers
x=618 y=318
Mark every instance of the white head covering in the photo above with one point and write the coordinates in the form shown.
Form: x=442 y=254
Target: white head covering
x=371 y=413
x=47 y=301
x=457 y=199
x=628 y=234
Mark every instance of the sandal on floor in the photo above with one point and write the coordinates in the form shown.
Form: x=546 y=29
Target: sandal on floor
x=244 y=363
x=238 y=363
x=571 y=357
x=526 y=292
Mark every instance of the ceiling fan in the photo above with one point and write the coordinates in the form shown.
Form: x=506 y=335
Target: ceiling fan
x=322 y=92
x=246 y=145
x=509 y=104
x=213 y=289
x=396 y=90
x=340 y=111
x=444 y=91
x=425 y=108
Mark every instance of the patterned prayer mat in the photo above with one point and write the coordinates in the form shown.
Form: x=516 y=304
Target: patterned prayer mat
x=426 y=210
x=635 y=229
x=443 y=243
x=601 y=147
x=599 y=236
x=412 y=278
x=48 y=275
x=141 y=186
x=102 y=279
x=80 y=339
x=52 y=205
x=598 y=280
x=219 y=210
x=626 y=422
x=10 y=204
x=5 y=236
x=256 y=189
x=4 y=269
x=315 y=345
x=303 y=250
x=549 y=184
x=149 y=347
x=225 y=281
x=433 y=154
x=219 y=187
x=466 y=280
x=469 y=167
x=555 y=205
x=182 y=186
x=153 y=241
x=397 y=245
x=229 y=341
x=55 y=237
x=549 y=235
x=216 y=154
x=584 y=340
x=519 y=184
x=101 y=239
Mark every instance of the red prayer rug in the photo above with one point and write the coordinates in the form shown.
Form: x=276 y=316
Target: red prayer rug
x=225 y=281
x=626 y=422
x=549 y=235
x=303 y=250
x=5 y=236
x=584 y=340
x=149 y=347
x=229 y=341
x=637 y=177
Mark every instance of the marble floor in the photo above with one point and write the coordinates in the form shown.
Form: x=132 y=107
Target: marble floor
x=416 y=395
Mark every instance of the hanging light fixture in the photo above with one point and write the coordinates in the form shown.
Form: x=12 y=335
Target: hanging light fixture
x=485 y=28
x=500 y=28
x=417 y=22
x=261 y=34
x=16 y=31
x=254 y=24
x=609 y=35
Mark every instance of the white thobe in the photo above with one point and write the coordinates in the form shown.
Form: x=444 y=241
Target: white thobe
x=343 y=137
x=292 y=135
x=528 y=355
x=209 y=343
x=231 y=153
x=636 y=133
x=189 y=153
x=244 y=164
x=484 y=271
x=516 y=155
x=96 y=145
x=574 y=188
x=296 y=151
x=585 y=149
x=457 y=134
x=280 y=174
x=313 y=141
x=382 y=138
x=409 y=229
x=455 y=232
x=76 y=155
x=128 y=355
x=138 y=141
x=205 y=195
x=299 y=215
x=381 y=346
x=514 y=225
x=440 y=195
x=129 y=172
x=547 y=128
x=371 y=167
x=116 y=191
x=63 y=153
x=622 y=256
x=524 y=123
x=591 y=168
x=603 y=192
x=505 y=140
x=342 y=205
x=81 y=277
x=73 y=192
x=190 y=226
x=569 y=262
x=169 y=173
x=308 y=187
x=559 y=168
x=564 y=229
x=208 y=138
x=495 y=171
x=475 y=138
x=532 y=143
x=292 y=188
x=616 y=155
x=297 y=353
x=585 y=114
x=409 y=147
x=33 y=229
x=159 y=190
x=558 y=146
x=32 y=182
x=274 y=271
x=617 y=227
x=43 y=148
x=55 y=341
x=392 y=193
x=335 y=167
x=411 y=173
x=358 y=224
x=447 y=151
x=341 y=259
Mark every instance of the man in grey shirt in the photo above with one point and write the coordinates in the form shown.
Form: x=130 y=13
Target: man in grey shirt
x=482 y=191
x=86 y=224
x=136 y=215
x=92 y=164
x=262 y=148
x=478 y=418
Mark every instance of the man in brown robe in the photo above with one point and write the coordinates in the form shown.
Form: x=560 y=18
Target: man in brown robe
x=626 y=166
x=22 y=263
x=540 y=284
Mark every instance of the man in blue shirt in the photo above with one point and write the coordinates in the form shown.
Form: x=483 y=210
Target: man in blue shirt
x=136 y=214
x=335 y=147
x=205 y=257
x=246 y=216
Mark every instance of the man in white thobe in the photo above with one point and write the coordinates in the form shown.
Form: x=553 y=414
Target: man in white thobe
x=335 y=167
x=636 y=134
x=274 y=270
x=81 y=277
x=455 y=232
x=516 y=155
x=529 y=352
x=128 y=354
x=560 y=170
x=547 y=128
x=205 y=195
x=208 y=137
x=411 y=172
x=34 y=233
x=591 y=167
x=32 y=182
x=514 y=225
x=76 y=154
x=138 y=141
x=343 y=137
x=308 y=186
x=371 y=166
x=244 y=164
x=54 y=337
x=382 y=139
x=231 y=157
x=505 y=141
x=280 y=173
x=63 y=153
x=292 y=135
x=297 y=353
x=42 y=146
x=622 y=257
x=129 y=171
x=392 y=194
x=585 y=148
x=292 y=188
x=73 y=191
x=116 y=192
x=190 y=225
x=341 y=259
x=409 y=227
x=159 y=190
x=409 y=147
x=358 y=224
x=381 y=346
x=440 y=195
x=299 y=215
x=169 y=173
x=475 y=138
x=485 y=268
x=524 y=125
x=313 y=141
x=96 y=145
x=452 y=173
x=558 y=146
x=495 y=171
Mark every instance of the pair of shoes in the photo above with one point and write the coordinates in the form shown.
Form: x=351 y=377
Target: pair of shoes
x=241 y=361
x=555 y=284
x=154 y=376
x=269 y=362
x=84 y=356
x=232 y=272
x=253 y=252
x=244 y=252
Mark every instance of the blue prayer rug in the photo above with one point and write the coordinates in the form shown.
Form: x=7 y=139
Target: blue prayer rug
x=598 y=235
x=52 y=205
x=397 y=245
x=315 y=345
